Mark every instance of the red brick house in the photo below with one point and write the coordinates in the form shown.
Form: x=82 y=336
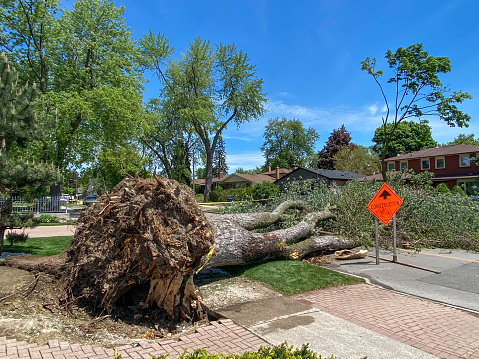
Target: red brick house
x=450 y=164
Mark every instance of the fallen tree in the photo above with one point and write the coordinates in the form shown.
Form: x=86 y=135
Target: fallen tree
x=150 y=236
x=236 y=244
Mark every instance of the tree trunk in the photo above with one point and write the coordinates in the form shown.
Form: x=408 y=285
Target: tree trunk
x=236 y=245
x=209 y=173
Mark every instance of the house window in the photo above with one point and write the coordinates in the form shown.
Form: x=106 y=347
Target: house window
x=403 y=166
x=425 y=164
x=391 y=166
x=464 y=161
x=471 y=187
x=440 y=163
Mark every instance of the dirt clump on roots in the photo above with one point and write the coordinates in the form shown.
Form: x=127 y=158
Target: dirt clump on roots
x=127 y=274
x=147 y=236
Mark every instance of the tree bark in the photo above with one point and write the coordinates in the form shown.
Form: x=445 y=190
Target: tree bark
x=236 y=245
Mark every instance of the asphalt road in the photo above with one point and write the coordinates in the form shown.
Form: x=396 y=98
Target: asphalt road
x=447 y=276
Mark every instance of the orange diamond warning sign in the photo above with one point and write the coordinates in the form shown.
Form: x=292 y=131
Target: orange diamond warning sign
x=385 y=204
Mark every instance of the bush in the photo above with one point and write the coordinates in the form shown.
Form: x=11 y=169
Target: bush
x=47 y=218
x=442 y=188
x=16 y=238
x=235 y=194
x=265 y=190
x=458 y=190
x=282 y=351
x=216 y=193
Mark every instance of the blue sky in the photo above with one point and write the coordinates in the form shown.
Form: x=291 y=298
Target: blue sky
x=309 y=55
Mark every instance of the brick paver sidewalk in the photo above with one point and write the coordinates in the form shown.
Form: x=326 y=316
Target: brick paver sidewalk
x=435 y=328
x=222 y=336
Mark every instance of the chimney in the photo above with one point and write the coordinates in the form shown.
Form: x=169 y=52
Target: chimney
x=220 y=175
x=277 y=173
x=269 y=168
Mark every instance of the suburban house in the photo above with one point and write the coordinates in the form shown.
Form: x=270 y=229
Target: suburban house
x=451 y=165
x=237 y=180
x=330 y=177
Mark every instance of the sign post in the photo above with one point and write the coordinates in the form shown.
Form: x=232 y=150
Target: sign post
x=384 y=206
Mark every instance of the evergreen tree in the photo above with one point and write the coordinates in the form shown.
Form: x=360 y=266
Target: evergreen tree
x=219 y=158
x=338 y=140
x=19 y=174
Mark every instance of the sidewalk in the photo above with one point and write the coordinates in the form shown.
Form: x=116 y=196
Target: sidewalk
x=47 y=231
x=349 y=322
x=221 y=336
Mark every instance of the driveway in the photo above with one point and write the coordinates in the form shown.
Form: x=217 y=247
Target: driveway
x=448 y=276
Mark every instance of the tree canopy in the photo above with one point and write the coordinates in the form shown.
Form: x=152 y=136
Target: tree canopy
x=338 y=140
x=416 y=90
x=463 y=139
x=287 y=143
x=85 y=62
x=206 y=90
x=409 y=136
x=360 y=159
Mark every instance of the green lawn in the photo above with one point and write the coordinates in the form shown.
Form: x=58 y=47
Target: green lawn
x=44 y=246
x=293 y=277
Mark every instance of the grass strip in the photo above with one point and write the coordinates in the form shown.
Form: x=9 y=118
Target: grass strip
x=43 y=246
x=293 y=277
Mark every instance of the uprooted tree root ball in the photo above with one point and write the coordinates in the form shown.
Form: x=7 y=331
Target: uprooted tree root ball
x=148 y=234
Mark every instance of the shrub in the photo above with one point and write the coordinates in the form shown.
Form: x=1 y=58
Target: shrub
x=16 y=238
x=442 y=188
x=235 y=194
x=458 y=190
x=265 y=190
x=282 y=351
x=215 y=194
x=47 y=218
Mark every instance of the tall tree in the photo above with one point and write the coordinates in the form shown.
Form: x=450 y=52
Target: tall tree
x=85 y=60
x=112 y=166
x=19 y=174
x=338 y=140
x=417 y=91
x=463 y=139
x=363 y=160
x=409 y=136
x=169 y=142
x=219 y=158
x=29 y=28
x=287 y=143
x=208 y=88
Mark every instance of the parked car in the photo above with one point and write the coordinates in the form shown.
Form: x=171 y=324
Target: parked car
x=65 y=198
x=90 y=200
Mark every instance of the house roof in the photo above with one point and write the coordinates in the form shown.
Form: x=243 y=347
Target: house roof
x=436 y=151
x=237 y=177
x=331 y=174
x=379 y=176
x=201 y=181
x=336 y=174
x=282 y=172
